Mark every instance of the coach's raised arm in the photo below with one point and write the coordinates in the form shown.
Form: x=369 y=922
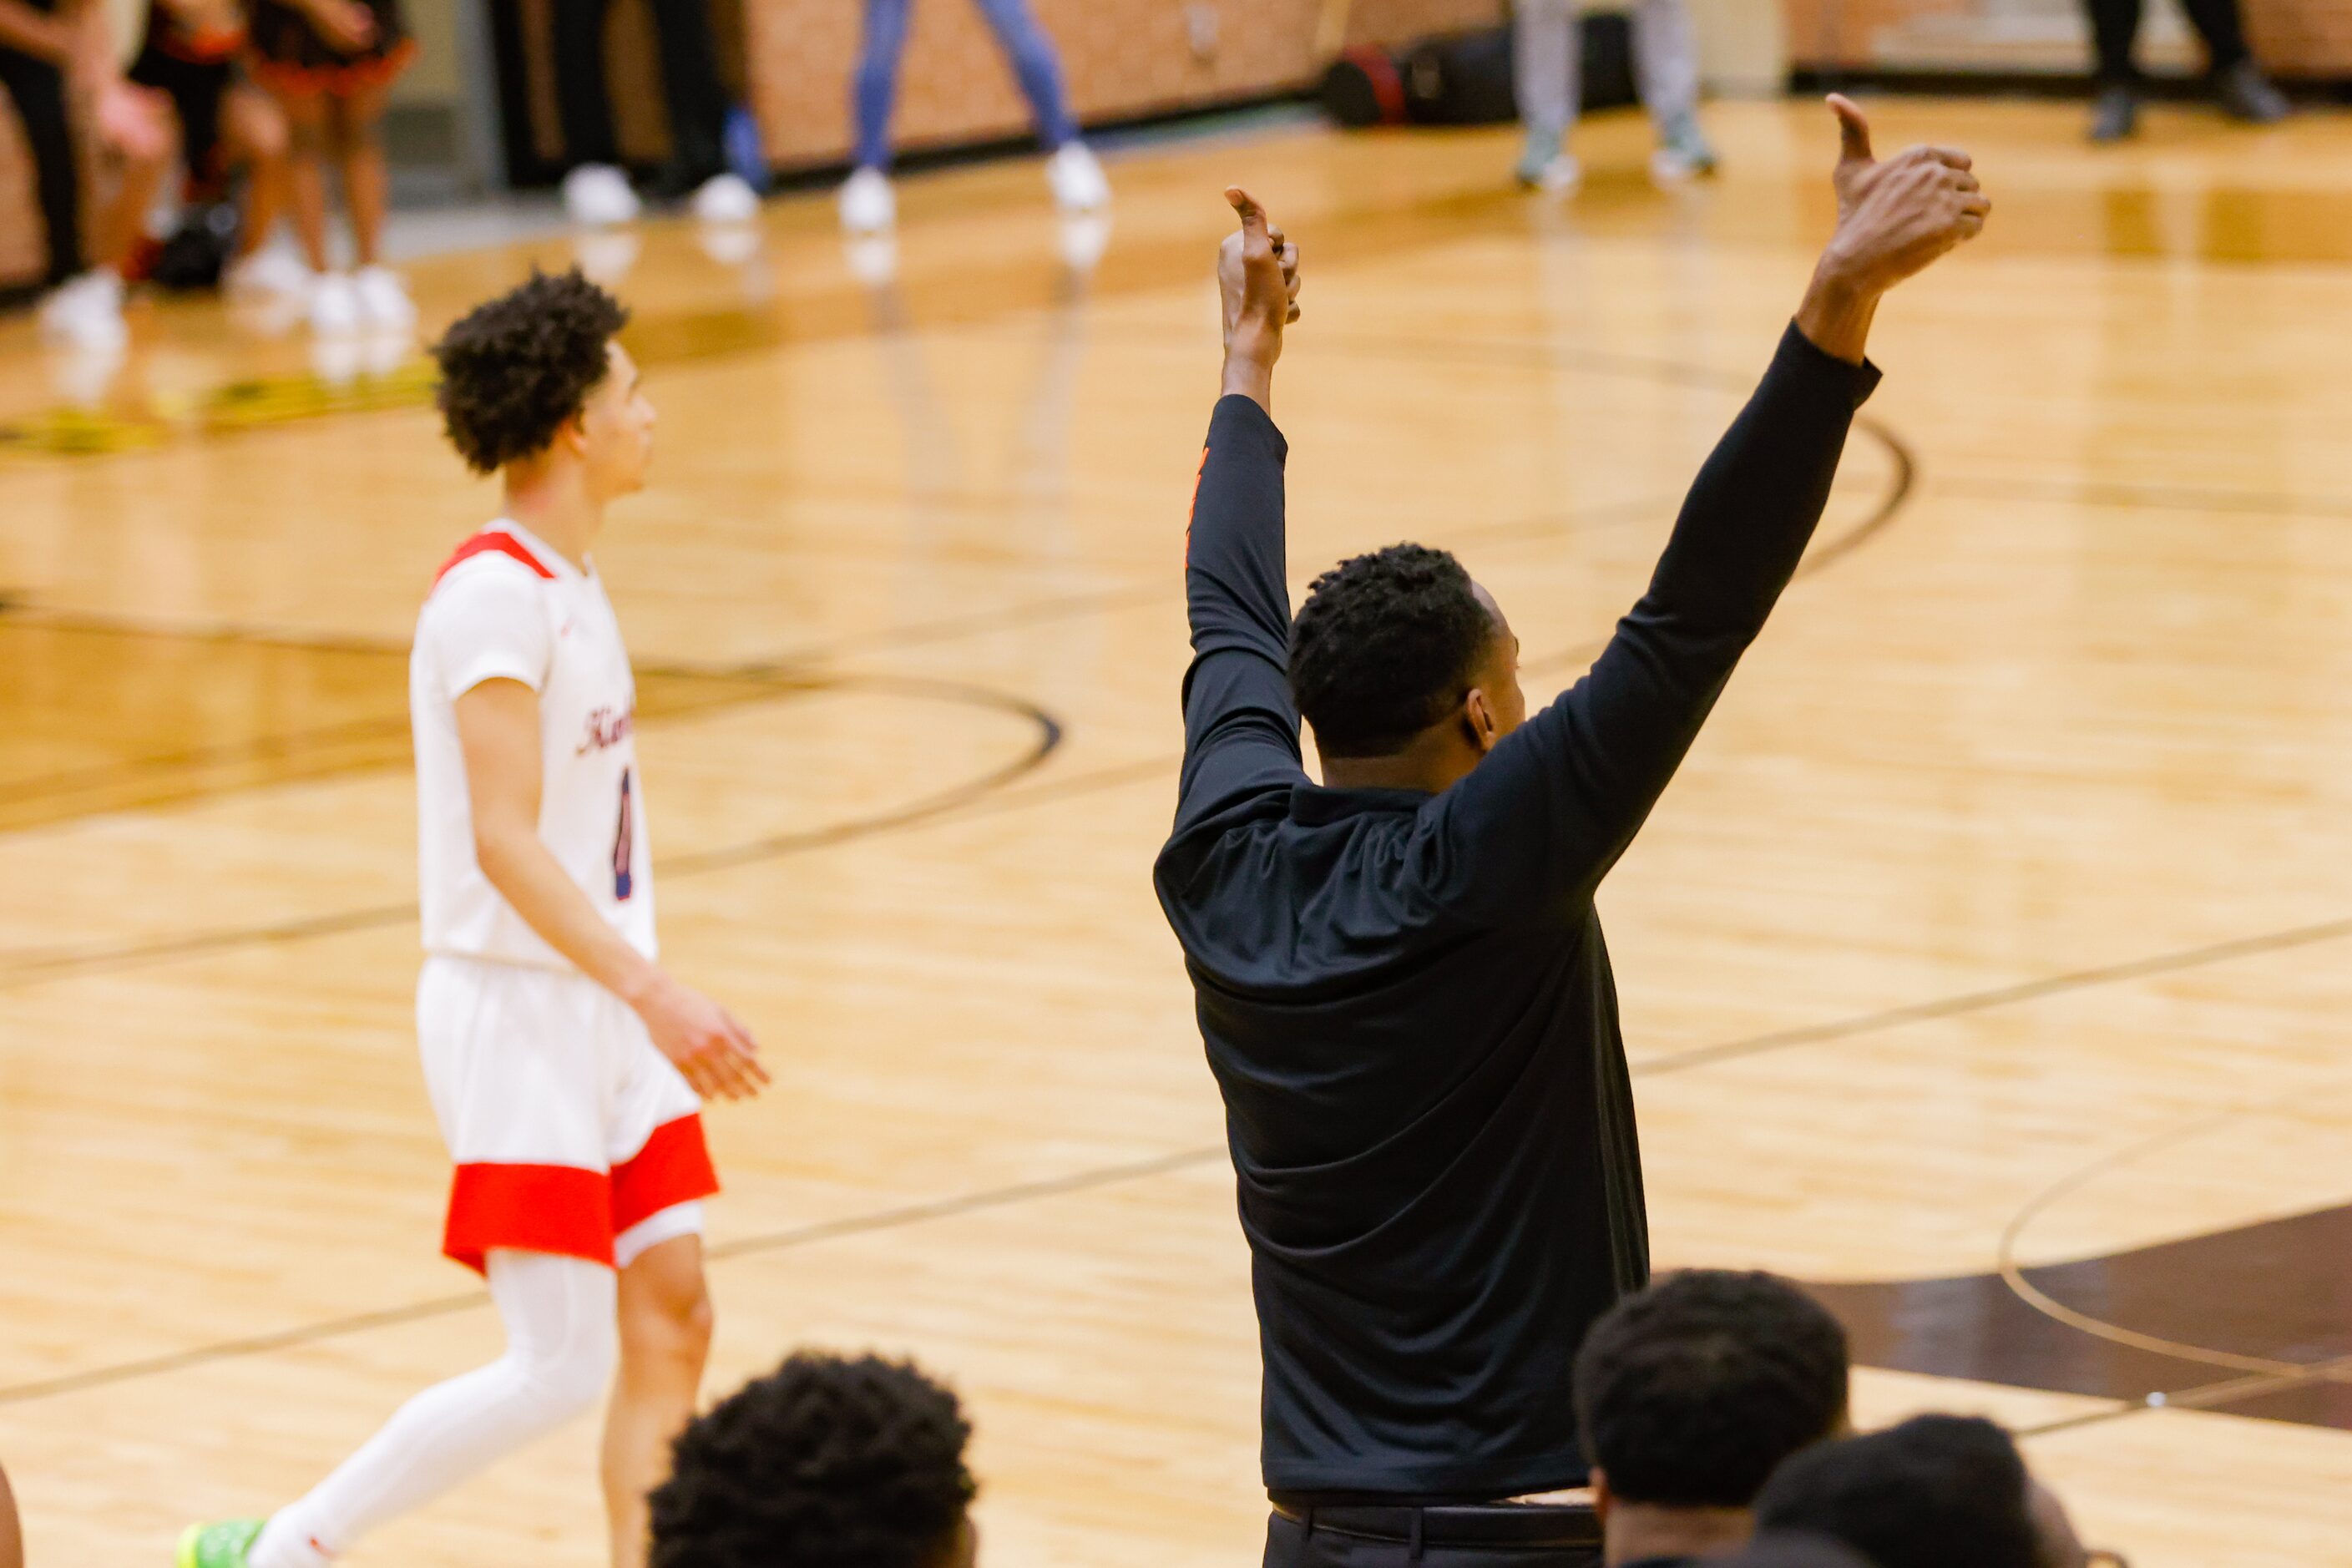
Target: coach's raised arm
x=1398 y=973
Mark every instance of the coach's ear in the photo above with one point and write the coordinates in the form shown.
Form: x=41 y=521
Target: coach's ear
x=1479 y=716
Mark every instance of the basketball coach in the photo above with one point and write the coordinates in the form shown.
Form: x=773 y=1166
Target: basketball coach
x=1399 y=976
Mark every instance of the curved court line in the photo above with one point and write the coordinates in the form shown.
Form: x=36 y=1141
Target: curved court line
x=32 y=969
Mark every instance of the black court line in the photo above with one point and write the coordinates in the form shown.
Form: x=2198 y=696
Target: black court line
x=1005 y=1196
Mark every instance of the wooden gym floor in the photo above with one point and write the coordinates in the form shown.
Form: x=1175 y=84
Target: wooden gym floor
x=2000 y=922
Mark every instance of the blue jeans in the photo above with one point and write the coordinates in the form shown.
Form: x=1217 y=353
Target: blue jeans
x=875 y=88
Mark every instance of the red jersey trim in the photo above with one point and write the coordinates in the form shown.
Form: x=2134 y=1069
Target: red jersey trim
x=562 y=1209
x=673 y=1168
x=491 y=540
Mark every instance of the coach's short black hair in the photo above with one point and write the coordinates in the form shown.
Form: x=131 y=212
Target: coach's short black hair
x=513 y=370
x=1690 y=1393
x=1939 y=1491
x=828 y=1462
x=1383 y=645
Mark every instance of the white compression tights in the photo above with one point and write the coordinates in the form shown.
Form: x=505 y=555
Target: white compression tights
x=562 y=1341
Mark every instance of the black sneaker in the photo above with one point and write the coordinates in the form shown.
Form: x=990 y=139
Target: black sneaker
x=2116 y=115
x=2246 y=94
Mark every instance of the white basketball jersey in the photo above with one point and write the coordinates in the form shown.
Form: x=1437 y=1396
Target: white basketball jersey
x=508 y=607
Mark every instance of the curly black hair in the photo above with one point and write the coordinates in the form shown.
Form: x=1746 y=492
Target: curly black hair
x=1383 y=645
x=1939 y=1491
x=516 y=368
x=1690 y=1393
x=826 y=1462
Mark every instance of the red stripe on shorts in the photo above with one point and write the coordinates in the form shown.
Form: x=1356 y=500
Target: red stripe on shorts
x=529 y=1208
x=673 y=1168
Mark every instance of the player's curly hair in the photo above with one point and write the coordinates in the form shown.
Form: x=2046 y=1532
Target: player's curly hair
x=1383 y=645
x=826 y=1462
x=1938 y=1491
x=516 y=368
x=1691 y=1393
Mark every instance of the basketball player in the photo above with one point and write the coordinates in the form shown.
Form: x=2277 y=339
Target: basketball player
x=562 y=1062
x=1399 y=976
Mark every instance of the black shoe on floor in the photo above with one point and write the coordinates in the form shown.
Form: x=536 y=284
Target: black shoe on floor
x=2116 y=115
x=2246 y=94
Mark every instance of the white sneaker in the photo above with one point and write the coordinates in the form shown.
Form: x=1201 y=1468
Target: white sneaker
x=86 y=311
x=868 y=204
x=724 y=198
x=1557 y=174
x=598 y=194
x=334 y=306
x=383 y=301
x=267 y=272
x=1077 y=178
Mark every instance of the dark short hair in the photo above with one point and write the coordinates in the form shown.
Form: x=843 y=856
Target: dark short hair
x=826 y=1462
x=1383 y=645
x=1690 y=1393
x=1794 y=1548
x=1939 y=1491
x=515 y=369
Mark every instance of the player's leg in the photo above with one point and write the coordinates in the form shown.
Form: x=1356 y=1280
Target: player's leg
x=1666 y=68
x=867 y=203
x=561 y=1347
x=355 y=117
x=1546 y=64
x=305 y=113
x=253 y=129
x=665 y=1330
x=1072 y=172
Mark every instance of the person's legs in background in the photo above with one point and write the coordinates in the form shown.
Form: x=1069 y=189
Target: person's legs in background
x=2243 y=91
x=697 y=117
x=1546 y=72
x=1072 y=170
x=309 y=130
x=254 y=135
x=595 y=191
x=85 y=305
x=355 y=129
x=867 y=205
x=1666 y=69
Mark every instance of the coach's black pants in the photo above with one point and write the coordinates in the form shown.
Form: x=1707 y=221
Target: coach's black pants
x=2115 y=25
x=1486 y=1535
x=689 y=71
x=38 y=88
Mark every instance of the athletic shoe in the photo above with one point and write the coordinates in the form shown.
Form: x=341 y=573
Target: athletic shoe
x=1077 y=178
x=1684 y=152
x=86 y=311
x=2246 y=94
x=334 y=306
x=598 y=194
x=267 y=272
x=383 y=300
x=222 y=1546
x=2116 y=116
x=869 y=206
x=724 y=198
x=1560 y=172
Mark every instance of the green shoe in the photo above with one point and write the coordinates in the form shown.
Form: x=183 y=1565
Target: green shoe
x=221 y=1546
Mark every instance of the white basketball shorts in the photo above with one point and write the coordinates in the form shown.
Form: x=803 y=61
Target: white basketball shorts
x=571 y=1133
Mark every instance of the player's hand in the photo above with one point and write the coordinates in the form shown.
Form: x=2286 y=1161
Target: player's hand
x=1896 y=216
x=345 y=26
x=135 y=120
x=1257 y=281
x=718 y=1054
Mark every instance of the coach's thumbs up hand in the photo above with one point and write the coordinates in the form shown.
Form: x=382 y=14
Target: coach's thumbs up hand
x=1257 y=283
x=1896 y=215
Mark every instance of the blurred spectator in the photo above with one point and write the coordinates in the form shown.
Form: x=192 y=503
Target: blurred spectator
x=867 y=203
x=1938 y=1491
x=1786 y=1549
x=1549 y=78
x=1689 y=1394
x=330 y=64
x=828 y=1462
x=47 y=47
x=2243 y=91
x=597 y=191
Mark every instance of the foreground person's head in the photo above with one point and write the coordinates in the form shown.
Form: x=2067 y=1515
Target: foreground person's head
x=828 y=1462
x=1404 y=669
x=535 y=382
x=1691 y=1393
x=1938 y=1491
